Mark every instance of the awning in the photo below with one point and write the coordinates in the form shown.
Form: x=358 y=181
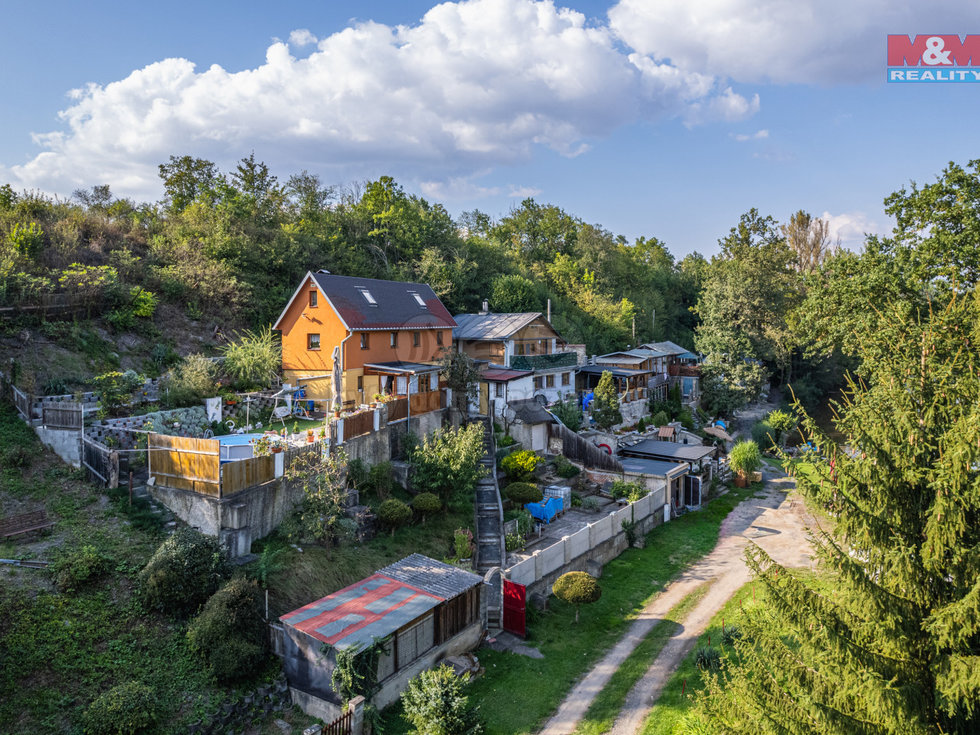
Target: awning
x=401 y=368
x=503 y=375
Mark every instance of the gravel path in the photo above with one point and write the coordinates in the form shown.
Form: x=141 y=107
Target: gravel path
x=775 y=522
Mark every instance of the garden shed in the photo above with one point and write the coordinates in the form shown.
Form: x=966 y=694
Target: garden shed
x=426 y=609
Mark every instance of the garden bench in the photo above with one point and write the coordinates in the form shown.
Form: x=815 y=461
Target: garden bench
x=24 y=523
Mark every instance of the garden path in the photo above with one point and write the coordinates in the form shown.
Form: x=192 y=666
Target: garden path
x=774 y=520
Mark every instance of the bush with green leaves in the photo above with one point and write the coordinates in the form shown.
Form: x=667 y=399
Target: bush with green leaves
x=522 y=493
x=605 y=404
x=577 y=588
x=447 y=462
x=590 y=504
x=126 y=709
x=641 y=425
x=229 y=634
x=79 y=567
x=434 y=704
x=660 y=419
x=426 y=504
x=782 y=422
x=183 y=573
x=381 y=479
x=745 y=458
x=564 y=468
x=731 y=634
x=253 y=359
x=687 y=421
x=393 y=514
x=569 y=411
x=764 y=435
x=190 y=382
x=116 y=389
x=520 y=466
x=632 y=491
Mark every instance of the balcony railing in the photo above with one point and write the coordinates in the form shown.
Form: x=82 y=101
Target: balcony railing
x=544 y=362
x=687 y=371
x=426 y=402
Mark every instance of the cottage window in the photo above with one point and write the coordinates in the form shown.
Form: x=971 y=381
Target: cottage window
x=394 y=339
x=313 y=298
x=519 y=347
x=416 y=339
x=549 y=380
x=414 y=641
x=360 y=383
x=313 y=341
x=439 y=337
x=498 y=390
x=367 y=296
x=538 y=382
x=566 y=378
x=365 y=340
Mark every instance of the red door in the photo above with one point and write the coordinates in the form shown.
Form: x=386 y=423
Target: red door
x=514 y=605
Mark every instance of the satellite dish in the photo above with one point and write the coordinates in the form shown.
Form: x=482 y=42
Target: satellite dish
x=541 y=399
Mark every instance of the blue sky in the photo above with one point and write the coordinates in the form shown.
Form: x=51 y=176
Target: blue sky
x=650 y=117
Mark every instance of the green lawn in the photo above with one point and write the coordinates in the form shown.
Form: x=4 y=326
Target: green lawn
x=607 y=705
x=570 y=649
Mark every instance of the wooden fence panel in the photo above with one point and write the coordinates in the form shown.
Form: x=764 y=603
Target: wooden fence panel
x=101 y=463
x=65 y=415
x=578 y=448
x=23 y=403
x=397 y=409
x=358 y=424
x=426 y=402
x=185 y=463
x=246 y=473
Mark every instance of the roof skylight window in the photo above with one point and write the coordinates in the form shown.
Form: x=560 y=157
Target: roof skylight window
x=367 y=296
x=418 y=299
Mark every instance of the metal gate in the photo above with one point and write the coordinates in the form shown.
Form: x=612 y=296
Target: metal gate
x=692 y=490
x=515 y=601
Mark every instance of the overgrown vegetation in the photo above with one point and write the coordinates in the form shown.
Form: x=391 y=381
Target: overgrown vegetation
x=183 y=573
x=229 y=634
x=434 y=704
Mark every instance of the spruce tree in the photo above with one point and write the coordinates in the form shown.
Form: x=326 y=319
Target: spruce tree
x=892 y=643
x=605 y=405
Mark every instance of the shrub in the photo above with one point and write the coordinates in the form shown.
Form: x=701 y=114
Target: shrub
x=447 y=462
x=426 y=504
x=687 y=421
x=745 y=458
x=463 y=543
x=731 y=634
x=707 y=659
x=357 y=473
x=183 y=572
x=631 y=490
x=381 y=479
x=520 y=466
x=590 y=504
x=523 y=492
x=253 y=359
x=191 y=381
x=229 y=634
x=641 y=425
x=569 y=412
x=564 y=468
x=514 y=541
x=125 y=709
x=434 y=704
x=394 y=514
x=765 y=436
x=660 y=419
x=74 y=569
x=525 y=523
x=605 y=405
x=116 y=389
x=577 y=588
x=782 y=422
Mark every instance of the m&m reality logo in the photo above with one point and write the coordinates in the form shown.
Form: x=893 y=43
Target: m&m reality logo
x=938 y=58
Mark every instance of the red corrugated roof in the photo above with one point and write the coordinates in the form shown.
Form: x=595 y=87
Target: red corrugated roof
x=502 y=375
x=356 y=615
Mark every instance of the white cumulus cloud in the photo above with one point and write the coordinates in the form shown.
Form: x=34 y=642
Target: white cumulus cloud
x=757 y=135
x=783 y=41
x=475 y=83
x=851 y=228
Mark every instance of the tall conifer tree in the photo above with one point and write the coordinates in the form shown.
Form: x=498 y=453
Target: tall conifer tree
x=893 y=644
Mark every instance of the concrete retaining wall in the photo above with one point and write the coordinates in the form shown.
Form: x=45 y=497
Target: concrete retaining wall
x=66 y=443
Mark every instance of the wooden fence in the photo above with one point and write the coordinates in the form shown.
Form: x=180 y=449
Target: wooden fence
x=426 y=402
x=101 y=463
x=358 y=424
x=186 y=463
x=581 y=450
x=340 y=726
x=397 y=409
x=246 y=473
x=65 y=415
x=24 y=403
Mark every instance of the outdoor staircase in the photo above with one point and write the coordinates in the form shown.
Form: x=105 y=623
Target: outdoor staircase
x=490 y=551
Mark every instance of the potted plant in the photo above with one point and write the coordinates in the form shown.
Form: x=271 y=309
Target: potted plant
x=744 y=459
x=376 y=399
x=230 y=399
x=309 y=436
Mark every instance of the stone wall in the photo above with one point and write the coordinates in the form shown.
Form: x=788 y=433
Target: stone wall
x=588 y=549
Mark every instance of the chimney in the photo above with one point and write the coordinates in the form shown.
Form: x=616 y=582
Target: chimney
x=486 y=307
x=549 y=310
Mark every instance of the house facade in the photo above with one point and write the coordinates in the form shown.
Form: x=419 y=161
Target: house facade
x=388 y=337
x=523 y=342
x=683 y=368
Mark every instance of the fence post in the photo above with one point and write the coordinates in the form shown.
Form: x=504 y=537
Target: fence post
x=356 y=708
x=113 y=470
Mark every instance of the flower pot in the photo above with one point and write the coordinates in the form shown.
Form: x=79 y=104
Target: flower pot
x=276 y=450
x=741 y=480
x=309 y=436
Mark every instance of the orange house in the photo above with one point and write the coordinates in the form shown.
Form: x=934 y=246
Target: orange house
x=388 y=335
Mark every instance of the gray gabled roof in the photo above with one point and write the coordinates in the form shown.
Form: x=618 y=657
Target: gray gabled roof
x=668 y=348
x=529 y=411
x=653 y=449
x=493 y=326
x=435 y=577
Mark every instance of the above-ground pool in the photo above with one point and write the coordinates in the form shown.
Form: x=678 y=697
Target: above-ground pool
x=236 y=446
